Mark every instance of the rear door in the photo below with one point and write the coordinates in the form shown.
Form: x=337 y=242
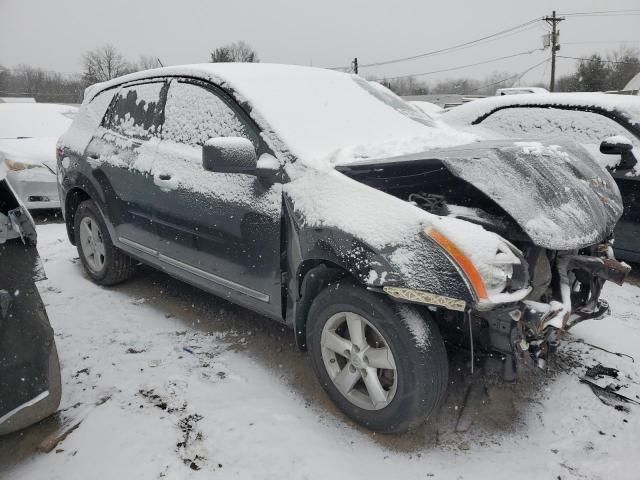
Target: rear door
x=220 y=231
x=121 y=153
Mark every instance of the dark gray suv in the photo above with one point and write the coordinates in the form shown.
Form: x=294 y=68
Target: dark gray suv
x=327 y=203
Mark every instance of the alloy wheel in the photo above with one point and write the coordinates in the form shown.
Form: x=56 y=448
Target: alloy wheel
x=359 y=361
x=92 y=244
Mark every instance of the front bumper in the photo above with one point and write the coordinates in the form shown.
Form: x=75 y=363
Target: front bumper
x=36 y=187
x=529 y=330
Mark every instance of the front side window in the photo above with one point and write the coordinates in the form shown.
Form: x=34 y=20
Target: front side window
x=137 y=111
x=194 y=114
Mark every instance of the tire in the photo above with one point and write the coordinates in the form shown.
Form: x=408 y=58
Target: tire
x=104 y=263
x=418 y=355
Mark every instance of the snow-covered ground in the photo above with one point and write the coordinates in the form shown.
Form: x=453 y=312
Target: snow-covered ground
x=169 y=382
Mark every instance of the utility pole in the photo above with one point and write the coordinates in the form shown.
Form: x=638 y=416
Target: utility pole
x=355 y=65
x=553 y=20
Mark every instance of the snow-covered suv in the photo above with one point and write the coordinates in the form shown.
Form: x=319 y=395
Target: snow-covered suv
x=329 y=204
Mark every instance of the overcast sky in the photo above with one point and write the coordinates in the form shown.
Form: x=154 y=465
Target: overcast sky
x=54 y=34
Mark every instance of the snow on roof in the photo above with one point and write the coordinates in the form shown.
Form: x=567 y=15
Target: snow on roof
x=628 y=106
x=321 y=116
x=34 y=119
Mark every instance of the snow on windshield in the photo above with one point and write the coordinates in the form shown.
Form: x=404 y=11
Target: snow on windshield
x=34 y=119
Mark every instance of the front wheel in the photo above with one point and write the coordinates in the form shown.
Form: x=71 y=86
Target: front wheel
x=383 y=364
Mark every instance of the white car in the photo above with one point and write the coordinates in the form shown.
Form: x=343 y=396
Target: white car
x=520 y=90
x=28 y=136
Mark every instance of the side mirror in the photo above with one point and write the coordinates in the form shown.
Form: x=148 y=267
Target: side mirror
x=229 y=155
x=616 y=145
x=622 y=146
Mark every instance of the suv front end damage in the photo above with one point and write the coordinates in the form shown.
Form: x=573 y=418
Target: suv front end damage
x=528 y=228
x=527 y=331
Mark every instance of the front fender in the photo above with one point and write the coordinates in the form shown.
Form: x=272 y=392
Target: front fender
x=418 y=263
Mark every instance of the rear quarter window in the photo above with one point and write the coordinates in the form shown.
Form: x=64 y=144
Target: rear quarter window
x=138 y=111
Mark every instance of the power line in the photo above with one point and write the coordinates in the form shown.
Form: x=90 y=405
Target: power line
x=602 y=13
x=602 y=60
x=447 y=49
x=465 y=66
x=600 y=41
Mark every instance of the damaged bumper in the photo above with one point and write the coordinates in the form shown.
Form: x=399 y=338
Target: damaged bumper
x=527 y=331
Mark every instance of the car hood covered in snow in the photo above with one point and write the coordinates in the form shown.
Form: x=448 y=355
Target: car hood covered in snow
x=558 y=194
x=624 y=107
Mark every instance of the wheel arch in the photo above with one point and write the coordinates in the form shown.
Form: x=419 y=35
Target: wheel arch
x=72 y=200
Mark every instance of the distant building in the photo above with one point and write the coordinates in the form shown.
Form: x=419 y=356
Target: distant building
x=17 y=100
x=634 y=84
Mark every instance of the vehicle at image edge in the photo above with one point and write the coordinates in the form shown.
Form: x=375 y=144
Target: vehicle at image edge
x=30 y=386
x=587 y=118
x=520 y=90
x=28 y=136
x=327 y=203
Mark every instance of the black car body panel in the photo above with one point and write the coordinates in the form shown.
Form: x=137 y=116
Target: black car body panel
x=30 y=387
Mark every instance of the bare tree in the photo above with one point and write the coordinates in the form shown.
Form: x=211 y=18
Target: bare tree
x=234 y=52
x=147 y=62
x=104 y=63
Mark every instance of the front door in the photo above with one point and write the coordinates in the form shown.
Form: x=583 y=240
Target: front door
x=219 y=231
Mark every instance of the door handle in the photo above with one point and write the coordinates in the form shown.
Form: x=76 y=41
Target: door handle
x=164 y=176
x=94 y=156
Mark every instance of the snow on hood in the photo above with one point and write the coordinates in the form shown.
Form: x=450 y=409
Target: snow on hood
x=34 y=119
x=30 y=150
x=320 y=116
x=627 y=106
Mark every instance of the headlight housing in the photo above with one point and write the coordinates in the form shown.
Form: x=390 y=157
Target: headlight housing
x=491 y=273
x=499 y=273
x=14 y=166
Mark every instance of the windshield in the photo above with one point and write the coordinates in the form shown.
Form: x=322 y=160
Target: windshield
x=389 y=98
x=319 y=114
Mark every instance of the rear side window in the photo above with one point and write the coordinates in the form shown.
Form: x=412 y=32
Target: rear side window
x=194 y=114
x=138 y=110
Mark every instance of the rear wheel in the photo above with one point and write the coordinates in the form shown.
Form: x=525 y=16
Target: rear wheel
x=103 y=262
x=382 y=363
